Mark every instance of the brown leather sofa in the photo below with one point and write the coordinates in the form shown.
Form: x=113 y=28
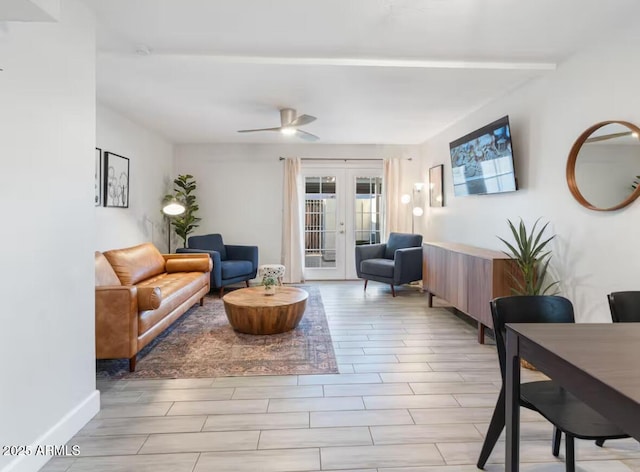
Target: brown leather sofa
x=140 y=292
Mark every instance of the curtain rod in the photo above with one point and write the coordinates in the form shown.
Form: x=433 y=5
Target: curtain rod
x=339 y=159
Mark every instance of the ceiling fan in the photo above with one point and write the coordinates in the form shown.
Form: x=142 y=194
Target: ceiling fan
x=289 y=122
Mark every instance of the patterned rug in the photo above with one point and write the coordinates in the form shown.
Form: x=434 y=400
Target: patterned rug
x=202 y=344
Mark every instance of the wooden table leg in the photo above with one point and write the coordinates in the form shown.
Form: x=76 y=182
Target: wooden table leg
x=480 y=333
x=430 y=299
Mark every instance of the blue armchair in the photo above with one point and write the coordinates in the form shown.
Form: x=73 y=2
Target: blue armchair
x=231 y=264
x=397 y=262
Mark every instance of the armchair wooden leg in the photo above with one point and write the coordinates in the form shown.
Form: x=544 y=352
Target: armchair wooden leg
x=393 y=290
x=132 y=363
x=555 y=443
x=365 y=284
x=221 y=291
x=202 y=301
x=246 y=282
x=600 y=442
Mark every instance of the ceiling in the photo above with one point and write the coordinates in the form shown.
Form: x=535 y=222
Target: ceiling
x=372 y=71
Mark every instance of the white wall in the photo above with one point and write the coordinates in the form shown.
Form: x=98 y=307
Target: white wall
x=150 y=178
x=47 y=139
x=240 y=187
x=594 y=252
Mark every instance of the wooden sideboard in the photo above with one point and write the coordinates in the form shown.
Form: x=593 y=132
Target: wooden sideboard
x=467 y=277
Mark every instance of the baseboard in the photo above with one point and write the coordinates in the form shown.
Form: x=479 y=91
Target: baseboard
x=58 y=435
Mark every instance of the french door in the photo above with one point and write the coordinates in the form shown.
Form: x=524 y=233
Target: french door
x=342 y=209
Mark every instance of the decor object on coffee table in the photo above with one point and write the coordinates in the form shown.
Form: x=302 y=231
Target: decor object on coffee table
x=250 y=312
x=272 y=270
x=269 y=284
x=396 y=262
x=231 y=264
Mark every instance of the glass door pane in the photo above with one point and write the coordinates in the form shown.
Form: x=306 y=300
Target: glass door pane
x=320 y=218
x=368 y=203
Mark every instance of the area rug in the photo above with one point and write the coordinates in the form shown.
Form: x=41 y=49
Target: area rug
x=202 y=344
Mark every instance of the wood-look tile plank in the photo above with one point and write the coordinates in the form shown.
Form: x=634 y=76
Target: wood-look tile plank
x=257 y=421
x=316 y=437
x=315 y=404
x=380 y=456
x=216 y=407
x=134 y=410
x=141 y=463
x=276 y=460
x=199 y=442
x=360 y=418
x=293 y=391
x=367 y=389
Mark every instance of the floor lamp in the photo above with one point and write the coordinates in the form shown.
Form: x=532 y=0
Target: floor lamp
x=172 y=207
x=416 y=201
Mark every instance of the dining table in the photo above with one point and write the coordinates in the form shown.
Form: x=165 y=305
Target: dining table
x=597 y=362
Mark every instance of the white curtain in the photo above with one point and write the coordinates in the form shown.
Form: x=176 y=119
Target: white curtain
x=292 y=222
x=393 y=211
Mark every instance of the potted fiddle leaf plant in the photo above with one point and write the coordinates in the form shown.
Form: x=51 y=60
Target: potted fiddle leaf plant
x=269 y=285
x=185 y=223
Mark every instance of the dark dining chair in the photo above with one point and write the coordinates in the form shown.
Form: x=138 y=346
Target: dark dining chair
x=567 y=414
x=625 y=306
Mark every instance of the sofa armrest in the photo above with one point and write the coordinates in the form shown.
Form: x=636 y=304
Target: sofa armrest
x=408 y=265
x=368 y=251
x=243 y=253
x=149 y=298
x=116 y=321
x=188 y=263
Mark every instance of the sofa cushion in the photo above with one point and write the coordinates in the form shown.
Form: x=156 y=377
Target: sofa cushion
x=233 y=269
x=176 y=289
x=209 y=242
x=399 y=241
x=137 y=263
x=104 y=272
x=379 y=267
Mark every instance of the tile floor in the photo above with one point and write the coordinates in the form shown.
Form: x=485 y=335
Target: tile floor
x=415 y=394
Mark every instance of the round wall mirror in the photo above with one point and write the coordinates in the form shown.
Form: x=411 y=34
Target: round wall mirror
x=603 y=170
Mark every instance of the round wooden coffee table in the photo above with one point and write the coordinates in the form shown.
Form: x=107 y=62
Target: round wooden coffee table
x=250 y=311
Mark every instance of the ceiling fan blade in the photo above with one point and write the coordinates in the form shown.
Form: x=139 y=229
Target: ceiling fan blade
x=604 y=137
x=306 y=136
x=302 y=120
x=260 y=129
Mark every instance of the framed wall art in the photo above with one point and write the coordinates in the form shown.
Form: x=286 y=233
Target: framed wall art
x=116 y=180
x=98 y=177
x=436 y=198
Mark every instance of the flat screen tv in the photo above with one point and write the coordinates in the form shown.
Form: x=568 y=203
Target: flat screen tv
x=482 y=161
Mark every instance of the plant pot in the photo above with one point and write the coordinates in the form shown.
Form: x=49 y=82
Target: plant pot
x=270 y=290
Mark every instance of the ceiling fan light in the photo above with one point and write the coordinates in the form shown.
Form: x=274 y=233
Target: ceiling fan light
x=288 y=130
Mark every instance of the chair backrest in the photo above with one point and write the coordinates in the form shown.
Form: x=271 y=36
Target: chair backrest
x=526 y=309
x=625 y=306
x=209 y=242
x=399 y=241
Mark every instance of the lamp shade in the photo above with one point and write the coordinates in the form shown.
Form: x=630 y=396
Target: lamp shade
x=173 y=207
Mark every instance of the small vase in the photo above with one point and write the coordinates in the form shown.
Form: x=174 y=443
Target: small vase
x=270 y=290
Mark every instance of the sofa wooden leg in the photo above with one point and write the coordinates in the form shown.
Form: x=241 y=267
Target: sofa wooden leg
x=393 y=290
x=221 y=291
x=132 y=364
x=202 y=301
x=365 y=284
